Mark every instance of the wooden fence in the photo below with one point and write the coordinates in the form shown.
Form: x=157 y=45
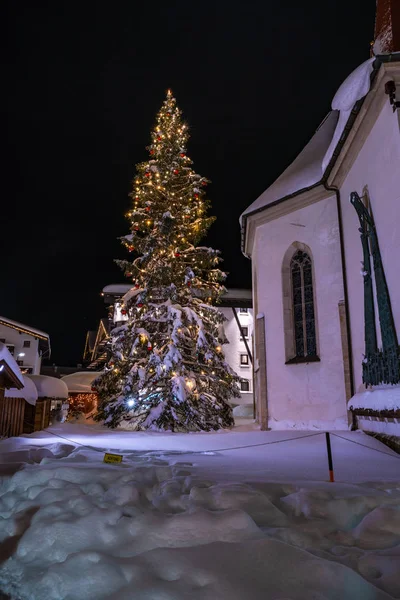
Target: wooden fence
x=12 y=414
x=37 y=417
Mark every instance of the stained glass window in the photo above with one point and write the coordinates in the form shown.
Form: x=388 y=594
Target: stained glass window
x=303 y=305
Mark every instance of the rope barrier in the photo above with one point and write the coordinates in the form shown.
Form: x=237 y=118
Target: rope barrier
x=364 y=446
x=73 y=442
x=196 y=451
x=300 y=437
x=102 y=450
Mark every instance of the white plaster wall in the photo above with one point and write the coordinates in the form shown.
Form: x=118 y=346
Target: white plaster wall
x=31 y=358
x=378 y=167
x=303 y=396
x=236 y=347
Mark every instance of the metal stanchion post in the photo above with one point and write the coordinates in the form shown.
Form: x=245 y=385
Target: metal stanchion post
x=328 y=447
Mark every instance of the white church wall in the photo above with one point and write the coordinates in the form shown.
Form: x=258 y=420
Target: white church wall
x=303 y=396
x=236 y=348
x=377 y=166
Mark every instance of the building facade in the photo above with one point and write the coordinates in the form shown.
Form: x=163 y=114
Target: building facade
x=236 y=306
x=324 y=240
x=26 y=344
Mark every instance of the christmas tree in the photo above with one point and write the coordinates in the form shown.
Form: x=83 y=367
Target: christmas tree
x=167 y=369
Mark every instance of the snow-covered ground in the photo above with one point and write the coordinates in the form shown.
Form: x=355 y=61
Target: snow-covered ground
x=208 y=516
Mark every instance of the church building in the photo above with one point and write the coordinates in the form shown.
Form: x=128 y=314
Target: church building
x=324 y=241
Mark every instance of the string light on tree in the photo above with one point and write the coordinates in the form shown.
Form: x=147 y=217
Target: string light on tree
x=170 y=344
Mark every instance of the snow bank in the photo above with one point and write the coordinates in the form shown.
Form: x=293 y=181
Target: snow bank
x=80 y=382
x=49 y=387
x=75 y=528
x=380 y=398
x=28 y=392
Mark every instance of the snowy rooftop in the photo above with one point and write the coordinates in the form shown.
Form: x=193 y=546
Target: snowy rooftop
x=81 y=381
x=305 y=170
x=49 y=387
x=28 y=392
x=44 y=338
x=310 y=165
x=27 y=328
x=238 y=293
x=9 y=360
x=117 y=289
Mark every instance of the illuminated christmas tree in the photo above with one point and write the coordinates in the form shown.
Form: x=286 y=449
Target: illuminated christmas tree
x=167 y=369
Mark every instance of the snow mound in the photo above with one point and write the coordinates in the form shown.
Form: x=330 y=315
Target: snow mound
x=75 y=528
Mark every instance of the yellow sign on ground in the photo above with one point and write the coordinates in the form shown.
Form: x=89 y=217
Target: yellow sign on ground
x=112 y=458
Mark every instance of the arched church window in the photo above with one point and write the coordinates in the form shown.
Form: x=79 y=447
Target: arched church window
x=305 y=342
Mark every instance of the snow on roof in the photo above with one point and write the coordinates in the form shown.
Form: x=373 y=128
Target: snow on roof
x=305 y=170
x=10 y=361
x=49 y=387
x=28 y=392
x=81 y=381
x=117 y=288
x=355 y=87
x=238 y=293
x=27 y=328
x=128 y=291
x=310 y=165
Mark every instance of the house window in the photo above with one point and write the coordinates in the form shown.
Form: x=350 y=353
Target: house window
x=20 y=363
x=244 y=310
x=2 y=340
x=244 y=360
x=11 y=349
x=244 y=332
x=305 y=343
x=27 y=344
x=244 y=385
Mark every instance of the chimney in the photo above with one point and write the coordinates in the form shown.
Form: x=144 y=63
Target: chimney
x=387 y=27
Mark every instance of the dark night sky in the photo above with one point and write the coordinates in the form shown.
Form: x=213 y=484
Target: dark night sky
x=81 y=87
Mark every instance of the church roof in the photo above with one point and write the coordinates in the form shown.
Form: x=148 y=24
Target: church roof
x=315 y=161
x=305 y=171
